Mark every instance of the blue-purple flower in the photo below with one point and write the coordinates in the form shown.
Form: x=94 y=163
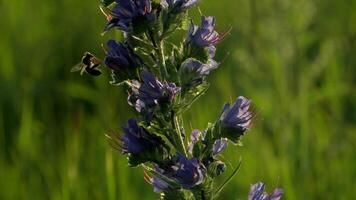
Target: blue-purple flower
x=201 y=40
x=181 y=172
x=177 y=6
x=197 y=68
x=150 y=93
x=137 y=140
x=121 y=58
x=193 y=71
x=257 y=193
x=129 y=12
x=142 y=146
x=188 y=172
x=159 y=185
x=236 y=119
x=195 y=136
x=219 y=145
x=205 y=35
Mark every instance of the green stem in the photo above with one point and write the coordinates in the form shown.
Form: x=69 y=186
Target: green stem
x=158 y=44
x=160 y=52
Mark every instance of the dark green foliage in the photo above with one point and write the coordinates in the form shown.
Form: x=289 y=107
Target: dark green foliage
x=157 y=155
x=199 y=53
x=229 y=132
x=204 y=191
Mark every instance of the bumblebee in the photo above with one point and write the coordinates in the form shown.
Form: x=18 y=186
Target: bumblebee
x=89 y=64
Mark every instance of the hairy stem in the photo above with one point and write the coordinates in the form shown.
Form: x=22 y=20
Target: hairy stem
x=160 y=52
x=158 y=45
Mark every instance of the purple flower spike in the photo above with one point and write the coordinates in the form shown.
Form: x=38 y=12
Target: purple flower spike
x=126 y=12
x=257 y=193
x=136 y=139
x=205 y=35
x=238 y=117
x=188 y=173
x=121 y=58
x=178 y=6
x=219 y=146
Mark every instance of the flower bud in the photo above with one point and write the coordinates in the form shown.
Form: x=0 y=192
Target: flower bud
x=216 y=168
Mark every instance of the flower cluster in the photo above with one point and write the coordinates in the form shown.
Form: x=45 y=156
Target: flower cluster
x=162 y=81
x=151 y=94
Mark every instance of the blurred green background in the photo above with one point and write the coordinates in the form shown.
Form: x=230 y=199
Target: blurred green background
x=295 y=59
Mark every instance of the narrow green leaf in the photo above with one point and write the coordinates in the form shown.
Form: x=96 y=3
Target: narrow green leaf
x=228 y=179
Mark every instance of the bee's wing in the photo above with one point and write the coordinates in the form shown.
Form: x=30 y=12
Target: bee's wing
x=77 y=67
